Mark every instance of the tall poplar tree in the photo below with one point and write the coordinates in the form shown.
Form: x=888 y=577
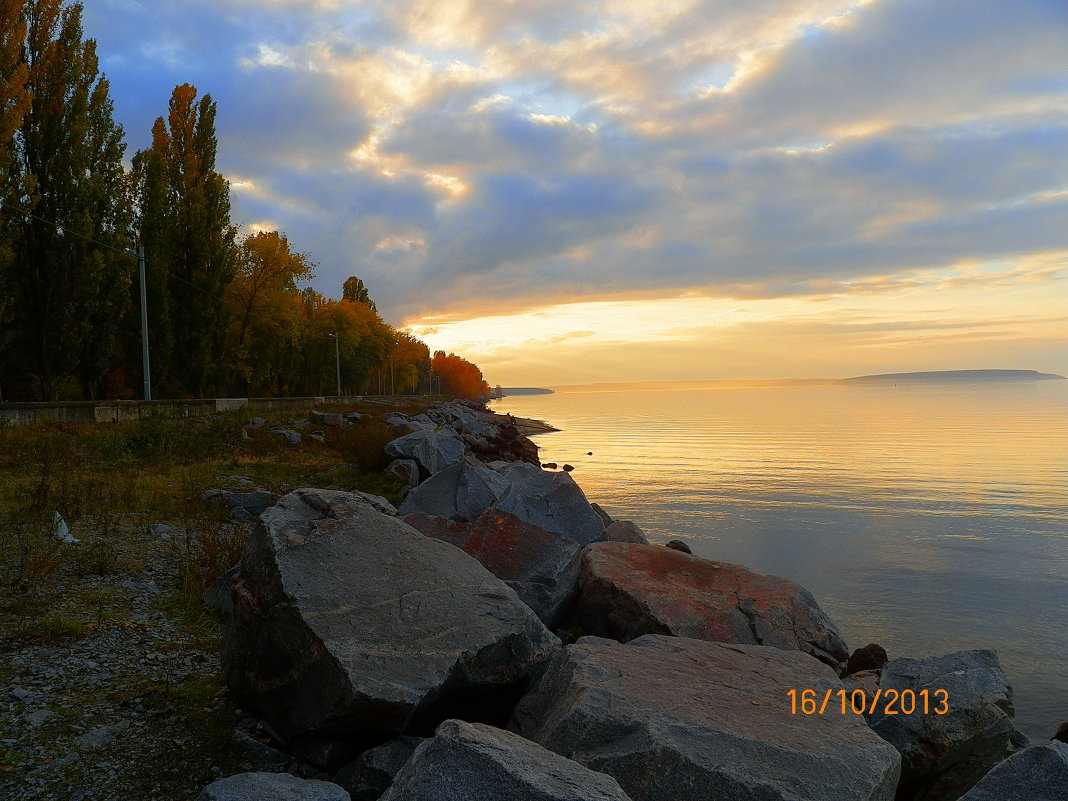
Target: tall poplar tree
x=71 y=268
x=190 y=239
x=14 y=101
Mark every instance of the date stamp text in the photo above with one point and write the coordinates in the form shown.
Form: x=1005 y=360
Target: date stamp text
x=858 y=702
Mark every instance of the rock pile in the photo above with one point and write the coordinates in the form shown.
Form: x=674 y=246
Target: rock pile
x=419 y=654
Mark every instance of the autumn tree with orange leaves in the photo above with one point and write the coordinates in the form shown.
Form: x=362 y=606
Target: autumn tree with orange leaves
x=263 y=311
x=459 y=378
x=185 y=226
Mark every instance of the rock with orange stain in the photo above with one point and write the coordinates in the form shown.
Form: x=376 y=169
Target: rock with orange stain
x=627 y=590
x=542 y=567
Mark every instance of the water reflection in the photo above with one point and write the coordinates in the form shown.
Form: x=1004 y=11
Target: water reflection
x=925 y=518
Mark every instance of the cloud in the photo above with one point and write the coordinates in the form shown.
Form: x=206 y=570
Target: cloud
x=460 y=156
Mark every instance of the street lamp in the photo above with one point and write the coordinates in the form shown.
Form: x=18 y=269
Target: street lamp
x=337 y=360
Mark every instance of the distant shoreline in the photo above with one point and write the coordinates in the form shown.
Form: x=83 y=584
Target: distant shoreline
x=931 y=377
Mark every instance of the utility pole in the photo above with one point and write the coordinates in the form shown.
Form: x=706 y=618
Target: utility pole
x=144 y=323
x=337 y=361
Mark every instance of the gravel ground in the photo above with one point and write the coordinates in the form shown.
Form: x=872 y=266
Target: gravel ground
x=133 y=709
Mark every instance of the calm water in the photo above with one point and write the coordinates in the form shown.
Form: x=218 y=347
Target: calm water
x=928 y=518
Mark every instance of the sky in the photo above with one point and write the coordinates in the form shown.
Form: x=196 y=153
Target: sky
x=569 y=191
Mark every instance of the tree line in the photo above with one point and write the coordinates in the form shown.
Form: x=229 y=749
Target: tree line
x=227 y=314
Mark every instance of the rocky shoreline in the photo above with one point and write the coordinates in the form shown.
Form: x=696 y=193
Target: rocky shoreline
x=497 y=636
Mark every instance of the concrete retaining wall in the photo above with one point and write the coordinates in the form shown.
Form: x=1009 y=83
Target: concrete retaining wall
x=117 y=411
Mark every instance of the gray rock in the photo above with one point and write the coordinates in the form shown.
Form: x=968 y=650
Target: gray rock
x=323 y=753
x=404 y=470
x=372 y=773
x=1018 y=742
x=262 y=756
x=218 y=595
x=474 y=762
x=301 y=424
x=352 y=417
x=376 y=502
x=24 y=696
x=292 y=437
x=462 y=491
x=432 y=450
x=271 y=787
x=324 y=418
x=100 y=737
x=675 y=719
x=607 y=518
x=625 y=531
x=943 y=755
x=256 y=422
x=477 y=423
x=64 y=760
x=1038 y=773
x=36 y=718
x=245 y=507
x=348 y=622
x=550 y=501
x=160 y=529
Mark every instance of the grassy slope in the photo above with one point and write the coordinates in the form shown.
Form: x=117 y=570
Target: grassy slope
x=112 y=483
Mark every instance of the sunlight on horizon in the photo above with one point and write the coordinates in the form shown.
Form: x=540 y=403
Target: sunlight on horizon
x=973 y=320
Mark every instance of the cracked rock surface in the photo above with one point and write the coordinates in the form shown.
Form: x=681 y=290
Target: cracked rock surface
x=675 y=719
x=628 y=589
x=347 y=620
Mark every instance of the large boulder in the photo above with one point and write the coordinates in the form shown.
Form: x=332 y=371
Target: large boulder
x=432 y=450
x=348 y=622
x=551 y=501
x=461 y=491
x=676 y=719
x=1038 y=773
x=627 y=590
x=271 y=787
x=540 y=566
x=473 y=762
x=945 y=753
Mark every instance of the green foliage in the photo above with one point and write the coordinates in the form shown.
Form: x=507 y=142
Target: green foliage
x=68 y=292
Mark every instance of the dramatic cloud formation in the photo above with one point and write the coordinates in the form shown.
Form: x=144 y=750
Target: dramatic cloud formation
x=877 y=183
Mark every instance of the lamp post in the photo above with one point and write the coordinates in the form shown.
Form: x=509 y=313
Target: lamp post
x=146 y=372
x=337 y=361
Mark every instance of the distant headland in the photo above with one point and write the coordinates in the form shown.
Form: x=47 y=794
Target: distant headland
x=931 y=377
x=957 y=375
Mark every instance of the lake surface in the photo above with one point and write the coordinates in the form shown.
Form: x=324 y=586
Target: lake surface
x=928 y=518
